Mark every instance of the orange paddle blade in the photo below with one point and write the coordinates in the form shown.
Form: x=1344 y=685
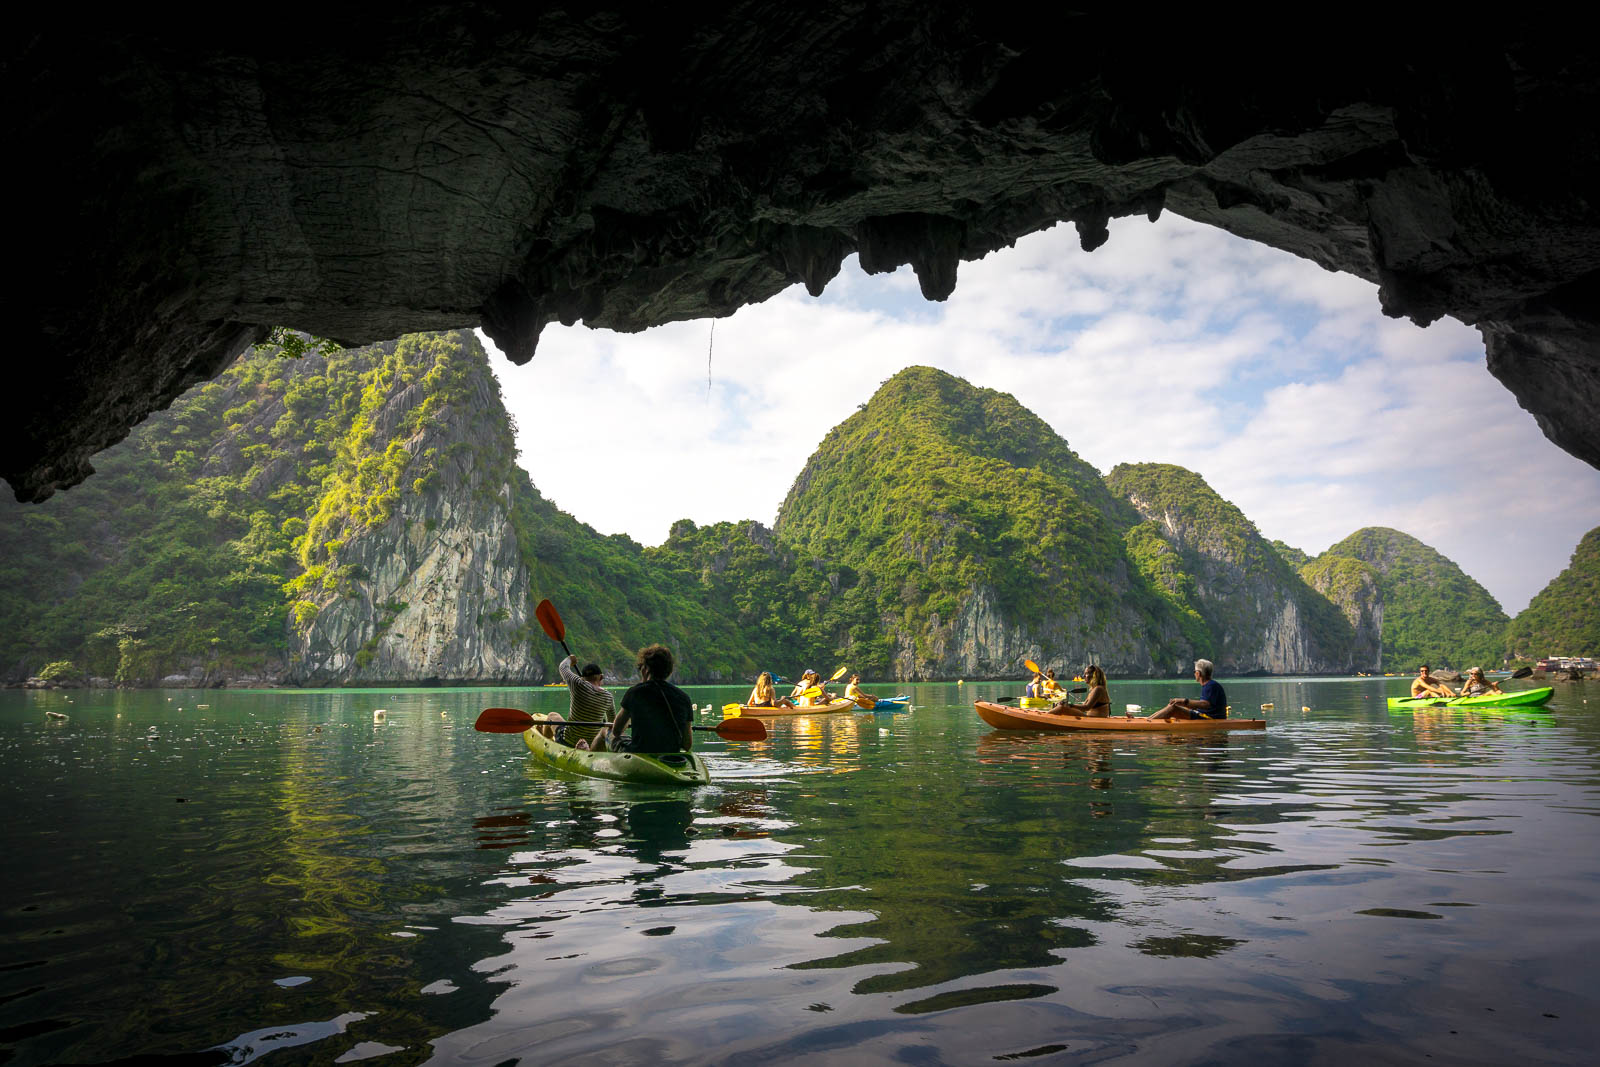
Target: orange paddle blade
x=741 y=730
x=550 y=620
x=1028 y=663
x=503 y=721
x=864 y=701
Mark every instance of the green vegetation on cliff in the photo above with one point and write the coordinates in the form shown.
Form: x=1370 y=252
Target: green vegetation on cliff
x=1216 y=568
x=1564 y=619
x=936 y=494
x=1432 y=611
x=942 y=527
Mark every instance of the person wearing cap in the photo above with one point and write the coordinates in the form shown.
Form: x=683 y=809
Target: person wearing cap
x=588 y=703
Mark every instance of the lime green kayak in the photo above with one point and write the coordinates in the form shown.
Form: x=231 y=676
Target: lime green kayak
x=1526 y=698
x=663 y=768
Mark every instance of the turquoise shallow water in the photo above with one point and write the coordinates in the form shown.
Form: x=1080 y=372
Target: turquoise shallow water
x=277 y=876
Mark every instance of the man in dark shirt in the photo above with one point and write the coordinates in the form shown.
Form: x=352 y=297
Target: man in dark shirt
x=1211 y=704
x=659 y=712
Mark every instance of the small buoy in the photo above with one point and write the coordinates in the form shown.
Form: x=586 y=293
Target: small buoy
x=1304 y=708
x=961 y=681
x=1268 y=706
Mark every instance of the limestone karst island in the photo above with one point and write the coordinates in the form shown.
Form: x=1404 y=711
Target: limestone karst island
x=333 y=730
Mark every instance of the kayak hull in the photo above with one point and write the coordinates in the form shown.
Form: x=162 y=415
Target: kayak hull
x=1526 y=698
x=820 y=709
x=1002 y=717
x=666 y=768
x=891 y=704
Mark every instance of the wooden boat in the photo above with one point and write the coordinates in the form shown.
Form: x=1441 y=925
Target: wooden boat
x=842 y=704
x=1002 y=717
x=664 y=768
x=1524 y=698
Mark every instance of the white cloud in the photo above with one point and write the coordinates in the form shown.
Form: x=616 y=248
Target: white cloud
x=1281 y=383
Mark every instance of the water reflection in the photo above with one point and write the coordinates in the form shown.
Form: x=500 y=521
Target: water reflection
x=1349 y=882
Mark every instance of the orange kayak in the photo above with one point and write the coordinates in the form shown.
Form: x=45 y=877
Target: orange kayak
x=1009 y=718
x=820 y=709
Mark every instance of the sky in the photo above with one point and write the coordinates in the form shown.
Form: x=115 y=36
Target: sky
x=1280 y=383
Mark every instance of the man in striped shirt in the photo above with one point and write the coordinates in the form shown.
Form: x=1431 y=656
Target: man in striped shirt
x=590 y=704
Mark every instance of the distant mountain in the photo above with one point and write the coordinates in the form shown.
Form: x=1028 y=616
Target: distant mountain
x=1259 y=615
x=1564 y=619
x=358 y=517
x=1429 y=610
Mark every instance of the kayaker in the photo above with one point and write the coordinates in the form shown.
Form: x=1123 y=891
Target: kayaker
x=1035 y=687
x=659 y=712
x=852 y=690
x=1051 y=687
x=589 y=703
x=764 y=696
x=1096 y=702
x=1477 y=685
x=1211 y=704
x=1426 y=685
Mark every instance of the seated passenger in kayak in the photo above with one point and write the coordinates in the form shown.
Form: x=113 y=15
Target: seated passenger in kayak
x=852 y=691
x=1211 y=704
x=1035 y=686
x=1050 y=687
x=1426 y=685
x=659 y=712
x=811 y=691
x=1096 y=702
x=589 y=703
x=1477 y=685
x=764 y=696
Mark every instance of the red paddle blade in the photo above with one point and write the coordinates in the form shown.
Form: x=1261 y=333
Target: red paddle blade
x=550 y=620
x=742 y=729
x=503 y=721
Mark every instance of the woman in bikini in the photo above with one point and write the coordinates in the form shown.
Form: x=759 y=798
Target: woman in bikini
x=763 y=695
x=1096 y=703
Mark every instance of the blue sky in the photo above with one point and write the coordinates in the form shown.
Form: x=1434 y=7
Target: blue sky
x=1280 y=383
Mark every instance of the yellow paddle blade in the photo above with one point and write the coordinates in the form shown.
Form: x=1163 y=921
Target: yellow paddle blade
x=1032 y=666
x=814 y=691
x=732 y=711
x=838 y=674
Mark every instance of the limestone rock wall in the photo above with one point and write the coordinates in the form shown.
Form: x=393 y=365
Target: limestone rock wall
x=391 y=168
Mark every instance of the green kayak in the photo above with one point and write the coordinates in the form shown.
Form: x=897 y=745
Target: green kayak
x=1526 y=698
x=665 y=768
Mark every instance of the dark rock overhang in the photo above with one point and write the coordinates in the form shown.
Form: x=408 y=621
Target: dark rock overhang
x=364 y=171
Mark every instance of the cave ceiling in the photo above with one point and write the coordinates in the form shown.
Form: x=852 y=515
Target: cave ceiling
x=362 y=171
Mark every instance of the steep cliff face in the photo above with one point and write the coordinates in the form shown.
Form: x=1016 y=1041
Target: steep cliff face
x=1353 y=587
x=1259 y=614
x=972 y=537
x=1428 y=608
x=432 y=583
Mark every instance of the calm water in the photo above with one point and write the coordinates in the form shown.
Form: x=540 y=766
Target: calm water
x=276 y=875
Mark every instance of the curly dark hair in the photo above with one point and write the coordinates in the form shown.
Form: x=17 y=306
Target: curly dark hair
x=659 y=659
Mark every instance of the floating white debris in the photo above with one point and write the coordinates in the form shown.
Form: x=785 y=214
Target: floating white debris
x=1268 y=706
x=1134 y=708
x=380 y=715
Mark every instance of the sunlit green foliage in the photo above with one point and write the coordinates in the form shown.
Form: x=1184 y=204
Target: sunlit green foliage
x=1220 y=569
x=1432 y=611
x=1564 y=619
